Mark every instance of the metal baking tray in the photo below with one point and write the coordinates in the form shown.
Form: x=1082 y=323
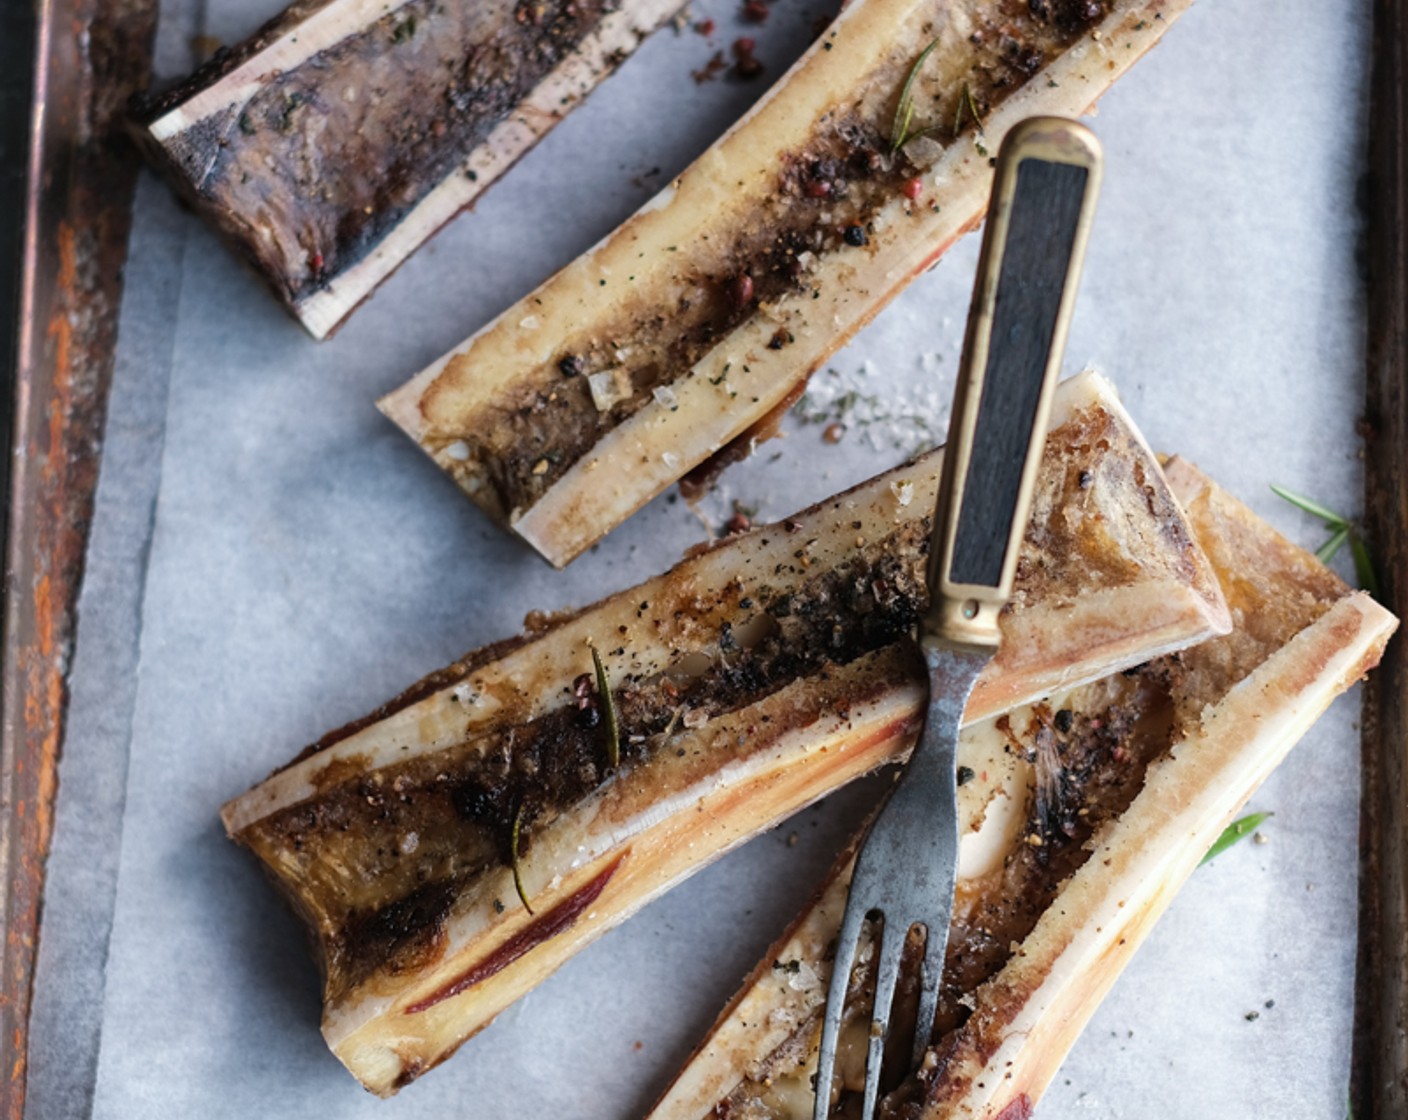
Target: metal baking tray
x=66 y=187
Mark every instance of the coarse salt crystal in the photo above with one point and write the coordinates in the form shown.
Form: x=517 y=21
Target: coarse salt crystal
x=665 y=396
x=608 y=386
x=458 y=451
x=804 y=979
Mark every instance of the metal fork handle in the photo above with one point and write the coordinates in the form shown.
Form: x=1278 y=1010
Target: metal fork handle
x=1043 y=203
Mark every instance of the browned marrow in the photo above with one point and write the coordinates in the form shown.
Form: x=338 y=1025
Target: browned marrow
x=1084 y=815
x=747 y=682
x=331 y=144
x=680 y=336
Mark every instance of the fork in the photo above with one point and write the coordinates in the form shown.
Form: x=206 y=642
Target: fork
x=1043 y=200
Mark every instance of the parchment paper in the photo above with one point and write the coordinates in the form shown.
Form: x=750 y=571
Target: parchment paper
x=270 y=559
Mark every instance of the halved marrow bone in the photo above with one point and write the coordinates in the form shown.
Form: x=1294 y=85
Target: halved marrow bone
x=1082 y=817
x=329 y=146
x=682 y=335
x=749 y=681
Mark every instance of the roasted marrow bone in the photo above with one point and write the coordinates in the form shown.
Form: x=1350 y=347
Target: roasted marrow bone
x=683 y=334
x=337 y=139
x=747 y=682
x=1082 y=816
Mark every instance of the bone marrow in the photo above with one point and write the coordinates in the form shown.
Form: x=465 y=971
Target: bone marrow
x=1080 y=818
x=332 y=143
x=680 y=334
x=752 y=679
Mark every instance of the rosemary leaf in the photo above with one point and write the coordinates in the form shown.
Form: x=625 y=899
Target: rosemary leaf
x=1326 y=552
x=608 y=703
x=513 y=856
x=1237 y=830
x=966 y=103
x=904 y=111
x=1363 y=566
x=1314 y=508
x=1342 y=530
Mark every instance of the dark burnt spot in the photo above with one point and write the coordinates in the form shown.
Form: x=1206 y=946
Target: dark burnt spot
x=1070 y=16
x=410 y=1070
x=475 y=803
x=408 y=932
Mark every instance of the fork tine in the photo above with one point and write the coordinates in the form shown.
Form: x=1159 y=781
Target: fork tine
x=931 y=973
x=846 y=943
x=889 y=950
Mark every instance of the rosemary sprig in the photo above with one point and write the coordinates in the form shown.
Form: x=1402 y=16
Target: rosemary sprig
x=1237 y=830
x=904 y=111
x=1327 y=550
x=1363 y=566
x=1342 y=531
x=608 y=703
x=966 y=102
x=1311 y=506
x=513 y=857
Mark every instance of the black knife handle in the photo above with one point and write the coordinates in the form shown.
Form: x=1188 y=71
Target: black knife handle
x=1043 y=200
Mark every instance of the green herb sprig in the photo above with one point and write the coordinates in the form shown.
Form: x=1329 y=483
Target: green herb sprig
x=608 y=703
x=966 y=103
x=1342 y=531
x=513 y=857
x=904 y=111
x=1238 y=830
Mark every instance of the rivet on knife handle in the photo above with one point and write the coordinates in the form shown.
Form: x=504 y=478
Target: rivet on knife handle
x=1043 y=200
